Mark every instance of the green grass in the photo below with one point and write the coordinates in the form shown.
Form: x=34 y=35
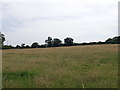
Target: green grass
x=94 y=66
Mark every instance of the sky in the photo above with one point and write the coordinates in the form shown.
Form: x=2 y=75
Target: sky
x=34 y=20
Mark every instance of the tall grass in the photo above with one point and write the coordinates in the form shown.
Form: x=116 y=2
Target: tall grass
x=92 y=66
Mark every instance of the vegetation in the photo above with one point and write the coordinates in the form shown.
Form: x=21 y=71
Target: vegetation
x=90 y=66
x=2 y=39
x=68 y=41
x=115 y=40
x=35 y=45
x=56 y=43
x=63 y=67
x=49 y=42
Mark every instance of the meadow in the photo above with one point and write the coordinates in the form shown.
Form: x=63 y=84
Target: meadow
x=89 y=66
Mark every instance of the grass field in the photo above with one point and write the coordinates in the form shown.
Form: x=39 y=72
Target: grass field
x=91 y=66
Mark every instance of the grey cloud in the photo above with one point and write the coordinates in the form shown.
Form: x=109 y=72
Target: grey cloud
x=82 y=21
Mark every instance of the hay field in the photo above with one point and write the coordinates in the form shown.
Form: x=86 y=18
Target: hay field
x=91 y=66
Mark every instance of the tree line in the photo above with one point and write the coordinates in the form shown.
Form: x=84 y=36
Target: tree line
x=55 y=42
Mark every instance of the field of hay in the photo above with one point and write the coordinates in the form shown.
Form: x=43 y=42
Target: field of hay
x=90 y=66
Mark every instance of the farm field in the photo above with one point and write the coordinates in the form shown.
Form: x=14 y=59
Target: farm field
x=90 y=66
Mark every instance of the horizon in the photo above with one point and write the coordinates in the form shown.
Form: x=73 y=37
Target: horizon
x=84 y=21
x=61 y=42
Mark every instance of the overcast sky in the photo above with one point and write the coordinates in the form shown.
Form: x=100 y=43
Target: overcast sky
x=83 y=20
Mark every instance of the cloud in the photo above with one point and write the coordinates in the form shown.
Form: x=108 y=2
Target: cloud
x=83 y=20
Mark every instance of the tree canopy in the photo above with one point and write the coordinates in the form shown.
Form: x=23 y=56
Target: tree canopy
x=35 y=45
x=49 y=42
x=2 y=38
x=68 y=41
x=56 y=42
x=114 y=40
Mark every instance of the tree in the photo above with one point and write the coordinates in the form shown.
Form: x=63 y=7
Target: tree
x=116 y=40
x=22 y=45
x=68 y=41
x=35 y=45
x=43 y=45
x=27 y=46
x=18 y=46
x=49 y=42
x=2 y=38
x=56 y=42
x=109 y=40
x=7 y=47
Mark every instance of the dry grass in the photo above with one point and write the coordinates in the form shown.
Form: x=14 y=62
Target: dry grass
x=93 y=66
